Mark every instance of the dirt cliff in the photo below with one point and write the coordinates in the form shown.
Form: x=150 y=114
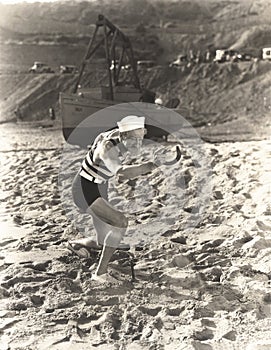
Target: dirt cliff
x=211 y=92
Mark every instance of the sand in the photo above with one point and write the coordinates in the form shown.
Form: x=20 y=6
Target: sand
x=207 y=287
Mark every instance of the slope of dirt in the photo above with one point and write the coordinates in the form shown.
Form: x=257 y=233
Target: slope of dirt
x=218 y=92
x=259 y=34
x=209 y=23
x=211 y=93
x=32 y=95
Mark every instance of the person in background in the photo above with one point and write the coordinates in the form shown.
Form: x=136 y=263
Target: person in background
x=52 y=114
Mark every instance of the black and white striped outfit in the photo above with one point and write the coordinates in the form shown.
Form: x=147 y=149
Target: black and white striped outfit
x=91 y=182
x=92 y=171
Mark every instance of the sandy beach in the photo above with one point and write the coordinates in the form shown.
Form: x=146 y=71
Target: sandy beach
x=204 y=288
x=197 y=275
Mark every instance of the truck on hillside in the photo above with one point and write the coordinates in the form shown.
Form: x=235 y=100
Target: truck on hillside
x=226 y=55
x=40 y=67
x=67 y=69
x=180 y=61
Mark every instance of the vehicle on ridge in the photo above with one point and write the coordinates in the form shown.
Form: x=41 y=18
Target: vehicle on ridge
x=40 y=67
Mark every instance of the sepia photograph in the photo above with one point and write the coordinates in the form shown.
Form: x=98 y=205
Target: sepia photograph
x=135 y=153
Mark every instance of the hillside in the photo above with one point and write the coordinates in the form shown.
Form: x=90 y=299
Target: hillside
x=58 y=33
x=211 y=93
x=209 y=22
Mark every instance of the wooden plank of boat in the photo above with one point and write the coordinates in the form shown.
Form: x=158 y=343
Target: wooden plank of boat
x=84 y=119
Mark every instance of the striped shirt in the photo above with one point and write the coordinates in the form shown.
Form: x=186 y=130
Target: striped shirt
x=96 y=171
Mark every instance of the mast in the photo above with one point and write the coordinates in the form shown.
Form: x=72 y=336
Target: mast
x=118 y=40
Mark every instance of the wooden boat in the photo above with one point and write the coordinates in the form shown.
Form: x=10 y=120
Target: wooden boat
x=79 y=109
x=81 y=103
x=76 y=107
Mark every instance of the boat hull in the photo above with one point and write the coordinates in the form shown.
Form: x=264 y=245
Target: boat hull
x=83 y=118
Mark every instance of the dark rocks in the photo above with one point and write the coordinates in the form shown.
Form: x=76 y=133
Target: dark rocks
x=197 y=345
x=208 y=322
x=267 y=298
x=174 y=311
x=212 y=274
x=150 y=310
x=178 y=239
x=217 y=195
x=230 y=335
x=203 y=334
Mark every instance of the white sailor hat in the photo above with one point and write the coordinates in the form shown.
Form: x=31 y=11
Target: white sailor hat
x=131 y=122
